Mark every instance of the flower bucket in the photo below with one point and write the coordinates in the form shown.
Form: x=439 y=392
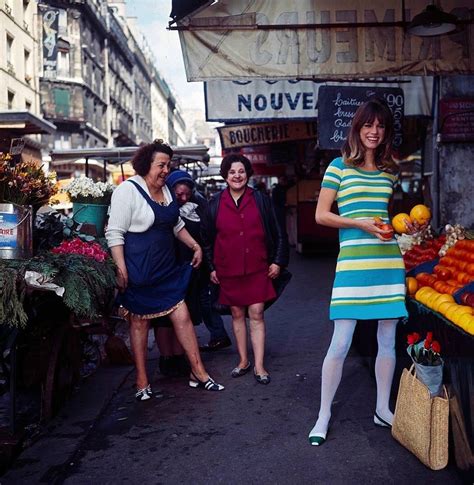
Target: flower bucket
x=95 y=214
x=16 y=231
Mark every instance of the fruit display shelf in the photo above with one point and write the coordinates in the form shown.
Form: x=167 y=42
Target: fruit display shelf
x=457 y=351
x=415 y=308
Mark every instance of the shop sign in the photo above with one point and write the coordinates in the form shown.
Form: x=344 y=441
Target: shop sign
x=16 y=146
x=235 y=136
x=228 y=43
x=50 y=42
x=259 y=100
x=337 y=107
x=456 y=120
x=8 y=230
x=256 y=155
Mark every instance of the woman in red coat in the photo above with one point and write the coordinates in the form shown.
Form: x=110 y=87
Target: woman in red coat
x=245 y=249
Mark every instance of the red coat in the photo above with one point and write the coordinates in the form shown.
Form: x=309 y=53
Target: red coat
x=240 y=241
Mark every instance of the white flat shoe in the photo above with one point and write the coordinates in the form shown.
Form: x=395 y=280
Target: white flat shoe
x=317 y=439
x=378 y=421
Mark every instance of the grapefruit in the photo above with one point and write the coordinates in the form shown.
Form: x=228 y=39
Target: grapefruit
x=399 y=222
x=421 y=214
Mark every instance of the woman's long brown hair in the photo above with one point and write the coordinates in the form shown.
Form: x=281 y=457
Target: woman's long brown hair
x=353 y=151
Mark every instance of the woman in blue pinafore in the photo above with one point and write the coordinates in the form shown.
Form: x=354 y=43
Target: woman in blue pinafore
x=144 y=220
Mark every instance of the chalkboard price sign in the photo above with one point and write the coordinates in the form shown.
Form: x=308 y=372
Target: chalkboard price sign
x=337 y=106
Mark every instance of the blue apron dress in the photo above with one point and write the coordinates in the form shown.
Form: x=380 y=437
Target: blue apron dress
x=156 y=282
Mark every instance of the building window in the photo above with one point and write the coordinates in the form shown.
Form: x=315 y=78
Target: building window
x=27 y=65
x=9 y=53
x=62 y=102
x=11 y=99
x=62 y=141
x=63 y=64
x=28 y=105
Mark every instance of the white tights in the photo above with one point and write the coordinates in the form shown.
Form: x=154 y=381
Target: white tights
x=334 y=361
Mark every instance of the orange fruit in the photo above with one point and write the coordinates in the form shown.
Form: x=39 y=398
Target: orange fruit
x=420 y=213
x=442 y=299
x=412 y=285
x=458 y=313
x=423 y=293
x=465 y=321
x=431 y=299
x=444 y=307
x=399 y=224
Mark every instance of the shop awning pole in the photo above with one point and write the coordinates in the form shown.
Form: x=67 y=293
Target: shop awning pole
x=435 y=185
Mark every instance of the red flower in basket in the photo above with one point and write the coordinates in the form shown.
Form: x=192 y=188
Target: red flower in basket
x=413 y=338
x=429 y=337
x=425 y=352
x=435 y=346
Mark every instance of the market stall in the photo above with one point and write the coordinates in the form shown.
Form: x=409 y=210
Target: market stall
x=57 y=289
x=440 y=300
x=189 y=155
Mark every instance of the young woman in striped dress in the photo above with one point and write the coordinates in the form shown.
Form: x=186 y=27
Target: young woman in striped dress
x=370 y=274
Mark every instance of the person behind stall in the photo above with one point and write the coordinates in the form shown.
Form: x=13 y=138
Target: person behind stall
x=198 y=299
x=144 y=221
x=370 y=274
x=245 y=250
x=279 y=200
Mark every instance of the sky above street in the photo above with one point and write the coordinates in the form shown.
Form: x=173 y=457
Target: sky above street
x=152 y=19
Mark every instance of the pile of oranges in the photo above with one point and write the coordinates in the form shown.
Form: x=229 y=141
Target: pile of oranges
x=461 y=315
x=454 y=271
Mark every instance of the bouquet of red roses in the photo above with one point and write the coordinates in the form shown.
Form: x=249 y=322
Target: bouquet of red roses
x=427 y=360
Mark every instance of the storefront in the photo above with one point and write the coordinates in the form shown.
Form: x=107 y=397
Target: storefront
x=16 y=130
x=295 y=128
x=341 y=44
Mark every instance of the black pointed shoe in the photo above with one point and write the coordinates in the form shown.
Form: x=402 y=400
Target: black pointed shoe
x=262 y=378
x=240 y=371
x=214 y=345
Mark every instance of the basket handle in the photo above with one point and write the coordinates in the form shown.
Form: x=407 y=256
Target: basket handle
x=28 y=213
x=77 y=212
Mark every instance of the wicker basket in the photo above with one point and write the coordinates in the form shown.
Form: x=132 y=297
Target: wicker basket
x=421 y=423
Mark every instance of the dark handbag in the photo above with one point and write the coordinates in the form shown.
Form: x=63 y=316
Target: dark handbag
x=279 y=283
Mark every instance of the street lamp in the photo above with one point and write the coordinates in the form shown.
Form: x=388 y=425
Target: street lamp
x=432 y=21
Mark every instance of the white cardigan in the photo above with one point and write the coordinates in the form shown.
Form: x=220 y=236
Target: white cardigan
x=129 y=211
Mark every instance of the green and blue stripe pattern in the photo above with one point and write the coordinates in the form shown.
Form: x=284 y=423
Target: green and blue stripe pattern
x=370 y=273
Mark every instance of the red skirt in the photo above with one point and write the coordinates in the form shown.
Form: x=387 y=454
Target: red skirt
x=246 y=290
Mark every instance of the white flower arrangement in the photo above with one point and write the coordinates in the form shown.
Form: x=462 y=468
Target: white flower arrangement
x=85 y=190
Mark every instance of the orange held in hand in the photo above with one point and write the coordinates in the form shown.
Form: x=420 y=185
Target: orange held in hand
x=385 y=227
x=421 y=214
x=399 y=222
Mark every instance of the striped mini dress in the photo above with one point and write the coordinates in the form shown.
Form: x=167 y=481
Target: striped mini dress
x=370 y=273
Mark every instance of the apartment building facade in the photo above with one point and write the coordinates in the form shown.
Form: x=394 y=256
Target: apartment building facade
x=19 y=86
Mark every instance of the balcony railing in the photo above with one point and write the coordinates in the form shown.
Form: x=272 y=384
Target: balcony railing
x=8 y=10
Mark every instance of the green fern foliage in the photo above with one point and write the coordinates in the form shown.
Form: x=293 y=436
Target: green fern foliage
x=89 y=285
